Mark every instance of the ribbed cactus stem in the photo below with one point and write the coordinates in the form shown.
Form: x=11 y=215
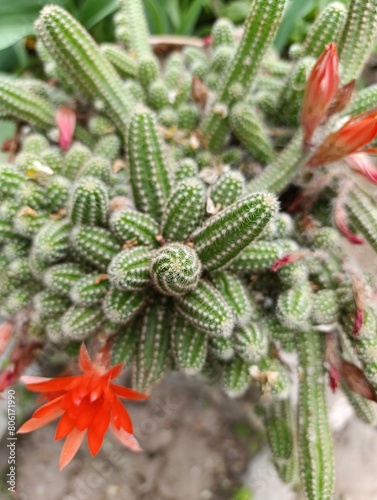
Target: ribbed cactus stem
x=189 y=345
x=25 y=105
x=259 y=30
x=236 y=377
x=358 y=37
x=280 y=430
x=222 y=33
x=363 y=101
x=226 y=234
x=206 y=309
x=89 y=202
x=314 y=438
x=251 y=342
x=236 y=295
x=364 y=409
x=129 y=270
x=327 y=28
x=289 y=101
x=76 y=52
x=132 y=15
x=363 y=212
x=129 y=225
x=282 y=170
x=364 y=343
x=294 y=306
x=227 y=189
x=184 y=210
x=175 y=269
x=249 y=129
x=150 y=172
x=121 y=306
x=79 y=322
x=152 y=350
x=122 y=61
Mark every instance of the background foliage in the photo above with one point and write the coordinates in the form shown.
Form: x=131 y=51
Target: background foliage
x=183 y=17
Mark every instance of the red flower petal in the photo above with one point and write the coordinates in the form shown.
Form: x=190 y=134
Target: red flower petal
x=351 y=138
x=47 y=408
x=49 y=385
x=35 y=423
x=97 y=430
x=125 y=437
x=114 y=371
x=97 y=392
x=70 y=447
x=87 y=411
x=86 y=403
x=65 y=426
x=85 y=362
x=333 y=379
x=121 y=417
x=125 y=392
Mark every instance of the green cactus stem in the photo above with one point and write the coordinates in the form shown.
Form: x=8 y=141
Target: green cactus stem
x=78 y=55
x=259 y=29
x=314 y=438
x=226 y=234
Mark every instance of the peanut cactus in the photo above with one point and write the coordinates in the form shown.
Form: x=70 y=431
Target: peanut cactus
x=159 y=232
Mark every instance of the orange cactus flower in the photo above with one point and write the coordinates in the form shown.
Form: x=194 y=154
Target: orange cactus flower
x=321 y=88
x=88 y=404
x=353 y=137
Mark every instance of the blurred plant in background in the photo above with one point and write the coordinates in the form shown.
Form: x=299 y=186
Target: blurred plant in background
x=182 y=17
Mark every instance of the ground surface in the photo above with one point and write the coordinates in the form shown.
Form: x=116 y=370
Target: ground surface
x=197 y=444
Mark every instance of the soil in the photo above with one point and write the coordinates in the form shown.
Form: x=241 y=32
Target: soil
x=196 y=445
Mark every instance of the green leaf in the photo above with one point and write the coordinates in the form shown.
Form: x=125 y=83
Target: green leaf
x=191 y=17
x=17 y=18
x=157 y=17
x=93 y=11
x=296 y=9
x=174 y=13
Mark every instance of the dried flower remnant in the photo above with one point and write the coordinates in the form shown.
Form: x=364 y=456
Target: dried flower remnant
x=340 y=215
x=66 y=122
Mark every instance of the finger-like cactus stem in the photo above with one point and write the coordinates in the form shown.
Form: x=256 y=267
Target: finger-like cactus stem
x=175 y=269
x=77 y=54
x=314 y=438
x=189 y=346
x=226 y=234
x=150 y=173
x=205 y=308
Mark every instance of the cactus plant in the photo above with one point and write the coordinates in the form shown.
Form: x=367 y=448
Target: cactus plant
x=159 y=235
